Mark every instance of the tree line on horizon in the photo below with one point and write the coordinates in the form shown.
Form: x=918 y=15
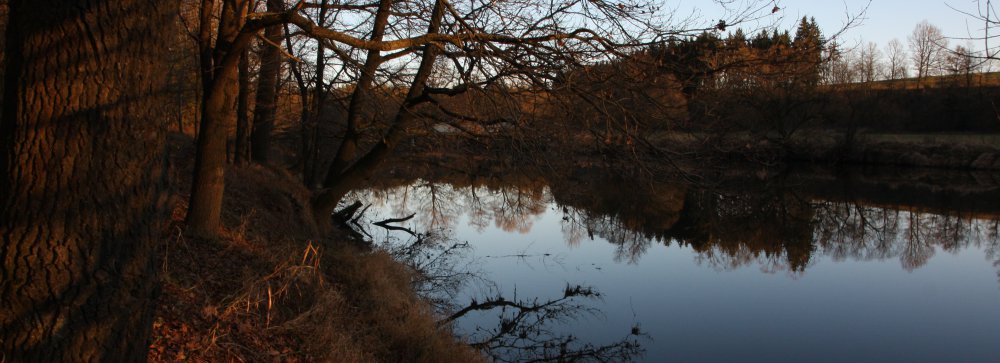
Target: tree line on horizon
x=776 y=83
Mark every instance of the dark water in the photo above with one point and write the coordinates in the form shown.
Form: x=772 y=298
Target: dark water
x=799 y=267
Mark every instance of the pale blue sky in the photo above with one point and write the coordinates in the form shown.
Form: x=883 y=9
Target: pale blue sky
x=883 y=20
x=887 y=19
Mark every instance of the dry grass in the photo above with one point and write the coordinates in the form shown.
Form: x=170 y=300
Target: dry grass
x=266 y=292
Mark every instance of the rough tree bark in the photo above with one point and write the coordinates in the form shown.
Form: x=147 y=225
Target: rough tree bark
x=218 y=114
x=267 y=89
x=83 y=177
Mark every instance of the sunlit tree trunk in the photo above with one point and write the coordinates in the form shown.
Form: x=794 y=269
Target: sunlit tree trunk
x=218 y=114
x=83 y=178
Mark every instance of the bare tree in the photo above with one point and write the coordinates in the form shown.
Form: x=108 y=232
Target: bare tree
x=869 y=63
x=420 y=53
x=962 y=61
x=987 y=14
x=838 y=68
x=220 y=81
x=896 y=57
x=927 y=47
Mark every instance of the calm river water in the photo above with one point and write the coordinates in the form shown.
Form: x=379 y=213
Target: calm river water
x=802 y=267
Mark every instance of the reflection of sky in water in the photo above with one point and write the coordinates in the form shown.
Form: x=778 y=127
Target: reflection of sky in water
x=854 y=305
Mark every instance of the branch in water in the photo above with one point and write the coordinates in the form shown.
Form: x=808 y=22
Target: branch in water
x=395 y=220
x=500 y=301
x=385 y=224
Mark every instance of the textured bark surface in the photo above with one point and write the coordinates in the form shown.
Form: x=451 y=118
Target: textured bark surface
x=83 y=136
x=218 y=116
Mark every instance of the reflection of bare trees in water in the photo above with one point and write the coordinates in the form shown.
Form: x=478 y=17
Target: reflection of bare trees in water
x=439 y=206
x=442 y=267
x=511 y=208
x=526 y=330
x=770 y=230
x=776 y=230
x=732 y=257
x=782 y=231
x=992 y=232
x=851 y=231
x=629 y=244
x=628 y=215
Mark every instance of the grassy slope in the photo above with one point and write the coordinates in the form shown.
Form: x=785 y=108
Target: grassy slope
x=991 y=79
x=267 y=292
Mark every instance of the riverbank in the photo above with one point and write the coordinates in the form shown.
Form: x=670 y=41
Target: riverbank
x=269 y=291
x=952 y=151
x=933 y=150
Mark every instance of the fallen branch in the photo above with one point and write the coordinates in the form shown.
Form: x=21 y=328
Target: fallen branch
x=394 y=220
x=385 y=224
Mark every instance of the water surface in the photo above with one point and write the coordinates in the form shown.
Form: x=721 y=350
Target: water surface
x=808 y=267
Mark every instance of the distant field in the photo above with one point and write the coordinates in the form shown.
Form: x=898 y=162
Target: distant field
x=991 y=79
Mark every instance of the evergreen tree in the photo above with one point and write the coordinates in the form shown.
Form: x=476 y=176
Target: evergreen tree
x=808 y=45
x=762 y=41
x=736 y=40
x=782 y=39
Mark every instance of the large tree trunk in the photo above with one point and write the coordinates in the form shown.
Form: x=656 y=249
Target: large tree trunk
x=218 y=115
x=205 y=207
x=82 y=139
x=267 y=89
